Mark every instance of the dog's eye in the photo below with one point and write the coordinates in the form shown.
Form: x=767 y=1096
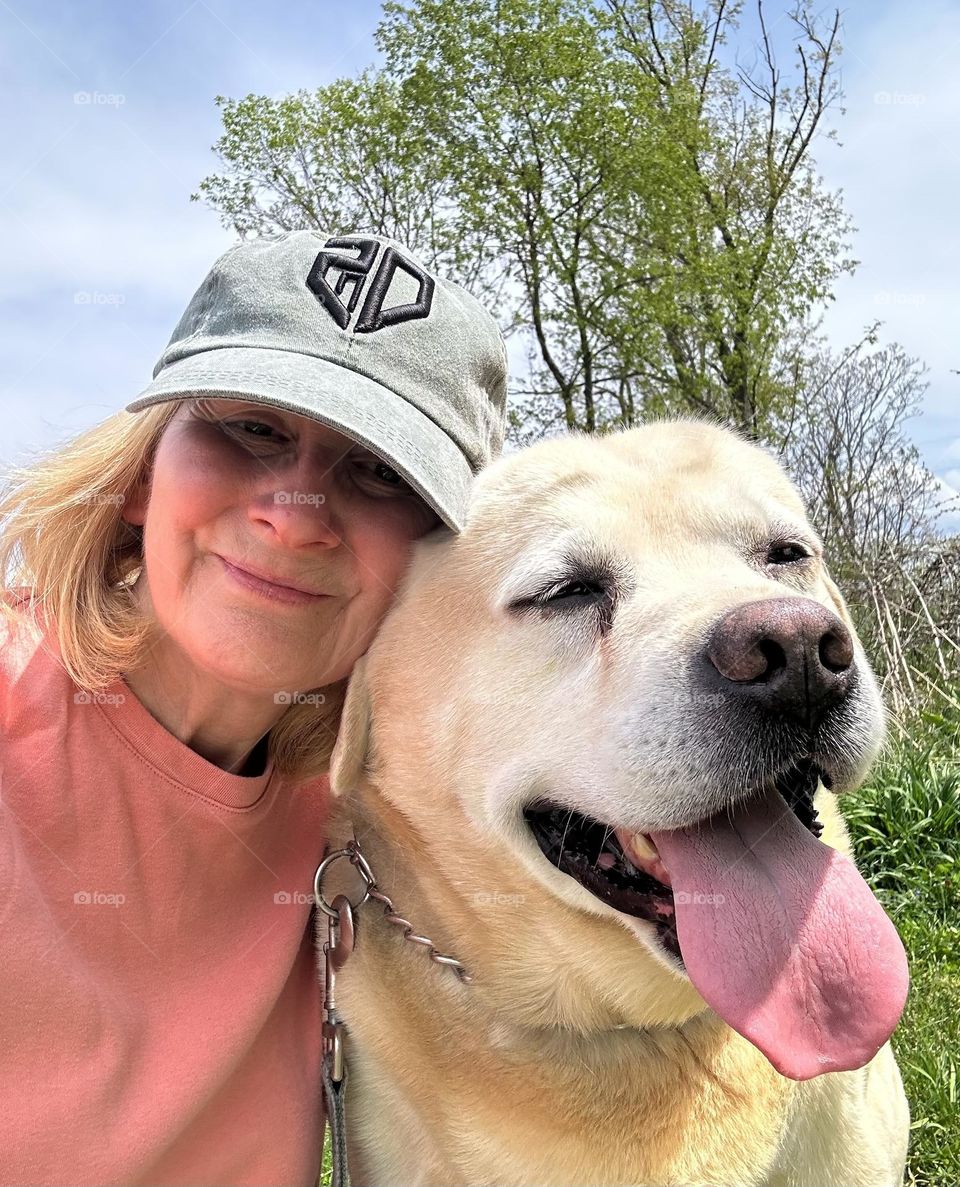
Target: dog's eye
x=786 y=554
x=574 y=591
x=581 y=591
x=566 y=595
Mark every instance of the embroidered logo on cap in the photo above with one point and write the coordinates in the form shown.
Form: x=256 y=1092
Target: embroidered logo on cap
x=354 y=271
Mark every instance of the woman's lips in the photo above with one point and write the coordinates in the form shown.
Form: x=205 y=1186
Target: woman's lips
x=270 y=589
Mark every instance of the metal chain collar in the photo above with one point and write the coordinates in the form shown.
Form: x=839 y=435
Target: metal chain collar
x=353 y=851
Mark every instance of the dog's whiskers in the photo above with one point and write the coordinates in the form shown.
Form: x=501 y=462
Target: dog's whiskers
x=564 y=837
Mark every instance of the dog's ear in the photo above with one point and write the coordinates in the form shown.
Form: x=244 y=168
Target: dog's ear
x=837 y=598
x=353 y=736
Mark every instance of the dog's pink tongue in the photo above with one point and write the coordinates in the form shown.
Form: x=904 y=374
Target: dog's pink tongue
x=784 y=940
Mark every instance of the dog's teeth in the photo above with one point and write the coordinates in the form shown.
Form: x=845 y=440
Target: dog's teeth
x=637 y=845
x=641 y=852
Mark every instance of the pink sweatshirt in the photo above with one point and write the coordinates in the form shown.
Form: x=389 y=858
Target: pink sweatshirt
x=160 y=1017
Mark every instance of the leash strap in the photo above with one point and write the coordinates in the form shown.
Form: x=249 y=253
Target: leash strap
x=334 y=1096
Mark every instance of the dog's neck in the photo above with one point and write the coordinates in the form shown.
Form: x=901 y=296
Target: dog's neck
x=396 y=851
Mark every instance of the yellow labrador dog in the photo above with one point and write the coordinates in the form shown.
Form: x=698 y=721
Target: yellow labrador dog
x=588 y=756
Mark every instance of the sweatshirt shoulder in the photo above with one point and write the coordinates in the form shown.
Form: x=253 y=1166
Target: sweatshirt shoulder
x=28 y=661
x=20 y=635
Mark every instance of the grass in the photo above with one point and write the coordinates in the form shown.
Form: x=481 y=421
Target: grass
x=905 y=824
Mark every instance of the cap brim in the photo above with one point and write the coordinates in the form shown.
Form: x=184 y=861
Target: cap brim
x=352 y=403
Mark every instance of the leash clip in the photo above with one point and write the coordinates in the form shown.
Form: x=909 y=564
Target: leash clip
x=337 y=948
x=352 y=851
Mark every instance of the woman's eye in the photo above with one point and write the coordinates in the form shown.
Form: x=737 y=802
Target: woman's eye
x=390 y=476
x=379 y=474
x=256 y=428
x=248 y=431
x=786 y=554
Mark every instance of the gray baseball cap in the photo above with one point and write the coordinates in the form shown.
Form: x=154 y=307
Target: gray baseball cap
x=353 y=331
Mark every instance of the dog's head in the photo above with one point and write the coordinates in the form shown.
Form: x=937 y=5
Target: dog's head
x=634 y=647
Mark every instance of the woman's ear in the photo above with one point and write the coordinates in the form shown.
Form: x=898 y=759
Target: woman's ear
x=353 y=737
x=134 y=510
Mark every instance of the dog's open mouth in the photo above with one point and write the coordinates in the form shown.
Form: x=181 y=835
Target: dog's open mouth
x=777 y=931
x=625 y=870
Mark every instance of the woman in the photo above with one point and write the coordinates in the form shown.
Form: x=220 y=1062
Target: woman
x=187 y=589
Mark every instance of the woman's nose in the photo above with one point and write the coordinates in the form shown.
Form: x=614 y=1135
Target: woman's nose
x=299 y=507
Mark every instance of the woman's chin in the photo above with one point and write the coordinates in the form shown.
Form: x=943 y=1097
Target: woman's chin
x=264 y=665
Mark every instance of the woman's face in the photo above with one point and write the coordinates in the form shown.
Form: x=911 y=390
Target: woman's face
x=241 y=490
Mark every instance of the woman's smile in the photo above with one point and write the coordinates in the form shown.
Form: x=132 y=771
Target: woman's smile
x=284 y=592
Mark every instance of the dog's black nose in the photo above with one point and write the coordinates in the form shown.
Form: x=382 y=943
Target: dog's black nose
x=791 y=656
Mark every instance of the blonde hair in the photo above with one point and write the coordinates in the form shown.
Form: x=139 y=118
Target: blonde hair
x=68 y=557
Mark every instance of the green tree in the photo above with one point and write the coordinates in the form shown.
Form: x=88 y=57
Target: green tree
x=644 y=211
x=345 y=156
x=755 y=241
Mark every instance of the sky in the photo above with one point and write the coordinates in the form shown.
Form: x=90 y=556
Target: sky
x=109 y=122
